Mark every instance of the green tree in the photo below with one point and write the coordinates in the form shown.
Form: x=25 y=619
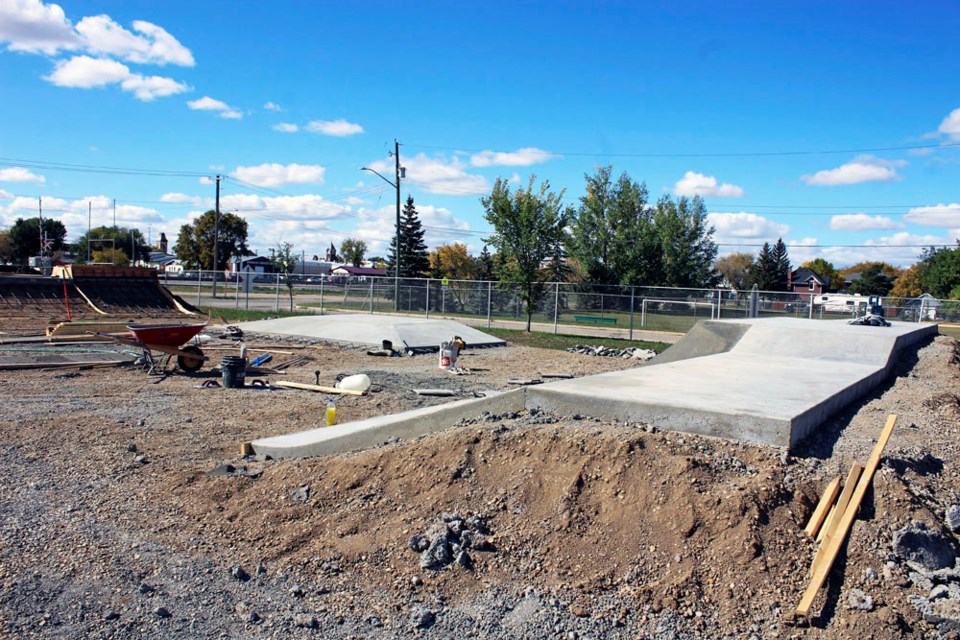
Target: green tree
x=6 y=247
x=485 y=269
x=195 y=241
x=24 y=238
x=414 y=260
x=765 y=274
x=736 y=269
x=105 y=238
x=873 y=281
x=353 y=251
x=940 y=270
x=110 y=255
x=527 y=225
x=687 y=249
x=782 y=261
x=825 y=269
x=286 y=262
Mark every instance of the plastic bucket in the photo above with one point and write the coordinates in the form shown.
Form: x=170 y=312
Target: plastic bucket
x=448 y=355
x=234 y=372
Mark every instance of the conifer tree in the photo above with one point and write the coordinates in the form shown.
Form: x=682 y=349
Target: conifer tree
x=414 y=258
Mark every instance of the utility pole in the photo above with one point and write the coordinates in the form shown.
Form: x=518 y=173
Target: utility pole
x=40 y=212
x=216 y=237
x=114 y=214
x=400 y=172
x=89 y=229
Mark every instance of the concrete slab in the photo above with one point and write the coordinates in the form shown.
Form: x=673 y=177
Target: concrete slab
x=371 y=329
x=770 y=381
x=375 y=431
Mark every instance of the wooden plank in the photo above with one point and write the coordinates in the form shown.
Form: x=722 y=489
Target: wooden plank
x=833 y=540
x=823 y=507
x=831 y=524
x=317 y=388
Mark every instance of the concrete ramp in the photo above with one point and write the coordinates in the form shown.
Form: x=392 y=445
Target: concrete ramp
x=418 y=334
x=770 y=381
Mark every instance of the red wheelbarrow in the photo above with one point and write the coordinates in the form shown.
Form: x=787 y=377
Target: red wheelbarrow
x=169 y=339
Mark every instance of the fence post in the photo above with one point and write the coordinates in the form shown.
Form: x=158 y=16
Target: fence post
x=321 y=294
x=811 y=307
x=632 y=292
x=371 y=295
x=199 y=281
x=643 y=312
x=278 y=292
x=719 y=301
x=556 y=307
x=236 y=292
x=428 y=297
x=246 y=290
x=920 y=314
x=489 y=300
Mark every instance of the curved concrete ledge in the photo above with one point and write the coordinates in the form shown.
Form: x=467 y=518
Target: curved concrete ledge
x=375 y=431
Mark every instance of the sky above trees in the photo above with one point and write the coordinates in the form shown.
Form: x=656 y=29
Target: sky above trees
x=832 y=125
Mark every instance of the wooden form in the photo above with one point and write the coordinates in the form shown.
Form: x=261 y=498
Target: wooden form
x=831 y=524
x=317 y=388
x=833 y=540
x=823 y=508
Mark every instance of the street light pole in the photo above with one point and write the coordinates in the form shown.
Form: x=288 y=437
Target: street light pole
x=399 y=172
x=216 y=238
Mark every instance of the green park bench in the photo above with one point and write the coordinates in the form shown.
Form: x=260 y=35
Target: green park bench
x=594 y=320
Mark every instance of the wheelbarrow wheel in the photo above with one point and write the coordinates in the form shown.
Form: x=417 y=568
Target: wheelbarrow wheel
x=190 y=364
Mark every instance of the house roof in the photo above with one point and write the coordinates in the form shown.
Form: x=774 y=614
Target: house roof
x=803 y=274
x=362 y=271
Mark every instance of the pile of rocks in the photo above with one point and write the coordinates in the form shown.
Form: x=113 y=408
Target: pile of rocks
x=931 y=558
x=635 y=353
x=450 y=540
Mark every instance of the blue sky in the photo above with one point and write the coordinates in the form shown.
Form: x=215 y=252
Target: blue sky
x=833 y=125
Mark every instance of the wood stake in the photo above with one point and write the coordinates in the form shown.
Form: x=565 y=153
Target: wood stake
x=313 y=387
x=820 y=513
x=831 y=525
x=833 y=540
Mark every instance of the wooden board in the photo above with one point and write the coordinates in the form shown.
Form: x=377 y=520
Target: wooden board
x=317 y=388
x=823 y=508
x=833 y=540
x=831 y=524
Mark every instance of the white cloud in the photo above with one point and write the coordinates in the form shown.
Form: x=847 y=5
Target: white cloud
x=950 y=126
x=272 y=106
x=73 y=214
x=862 y=222
x=745 y=228
x=438 y=175
x=205 y=180
x=5 y=195
x=286 y=127
x=515 y=178
x=19 y=174
x=697 y=184
x=275 y=174
x=34 y=27
x=103 y=36
x=355 y=201
x=339 y=128
x=84 y=72
x=938 y=215
x=863 y=168
x=181 y=198
x=206 y=103
x=520 y=158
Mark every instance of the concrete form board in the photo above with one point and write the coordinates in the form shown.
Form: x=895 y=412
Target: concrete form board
x=375 y=431
x=372 y=329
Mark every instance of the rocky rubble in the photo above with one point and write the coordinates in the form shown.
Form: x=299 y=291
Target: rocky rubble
x=931 y=557
x=449 y=540
x=634 y=353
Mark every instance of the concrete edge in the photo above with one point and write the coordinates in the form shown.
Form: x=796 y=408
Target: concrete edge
x=375 y=431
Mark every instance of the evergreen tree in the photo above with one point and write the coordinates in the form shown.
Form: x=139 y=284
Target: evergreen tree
x=414 y=258
x=485 y=266
x=783 y=265
x=765 y=270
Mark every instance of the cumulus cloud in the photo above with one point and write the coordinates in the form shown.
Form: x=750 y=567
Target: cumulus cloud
x=745 y=228
x=286 y=127
x=272 y=106
x=5 y=195
x=520 y=158
x=438 y=175
x=275 y=174
x=102 y=36
x=440 y=226
x=862 y=222
x=181 y=198
x=73 y=213
x=950 y=126
x=34 y=27
x=863 y=168
x=339 y=128
x=697 y=184
x=84 y=72
x=206 y=103
x=19 y=174
x=938 y=215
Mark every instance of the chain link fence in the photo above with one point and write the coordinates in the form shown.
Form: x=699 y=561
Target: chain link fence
x=562 y=304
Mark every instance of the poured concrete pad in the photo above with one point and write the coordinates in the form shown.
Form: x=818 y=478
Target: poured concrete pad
x=377 y=430
x=370 y=329
x=770 y=381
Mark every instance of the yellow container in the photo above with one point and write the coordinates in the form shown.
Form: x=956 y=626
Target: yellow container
x=331 y=413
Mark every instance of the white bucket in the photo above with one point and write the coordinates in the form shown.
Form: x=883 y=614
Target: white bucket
x=448 y=355
x=359 y=382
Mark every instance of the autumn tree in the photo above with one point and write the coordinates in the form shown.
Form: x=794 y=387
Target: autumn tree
x=452 y=261
x=6 y=247
x=872 y=281
x=353 y=251
x=526 y=225
x=909 y=284
x=736 y=269
x=111 y=255
x=825 y=269
x=195 y=242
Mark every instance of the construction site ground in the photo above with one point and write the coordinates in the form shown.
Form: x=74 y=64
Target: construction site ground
x=113 y=527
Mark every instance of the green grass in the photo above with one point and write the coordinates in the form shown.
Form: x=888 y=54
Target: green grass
x=953 y=331
x=561 y=341
x=243 y=315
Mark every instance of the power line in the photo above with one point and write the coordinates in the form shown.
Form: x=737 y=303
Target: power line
x=80 y=168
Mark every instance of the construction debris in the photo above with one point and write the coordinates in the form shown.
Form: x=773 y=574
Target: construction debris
x=440 y=393
x=599 y=350
x=871 y=319
x=286 y=384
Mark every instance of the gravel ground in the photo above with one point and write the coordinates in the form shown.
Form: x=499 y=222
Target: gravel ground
x=113 y=528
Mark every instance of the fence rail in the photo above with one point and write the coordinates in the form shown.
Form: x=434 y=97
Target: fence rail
x=624 y=307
